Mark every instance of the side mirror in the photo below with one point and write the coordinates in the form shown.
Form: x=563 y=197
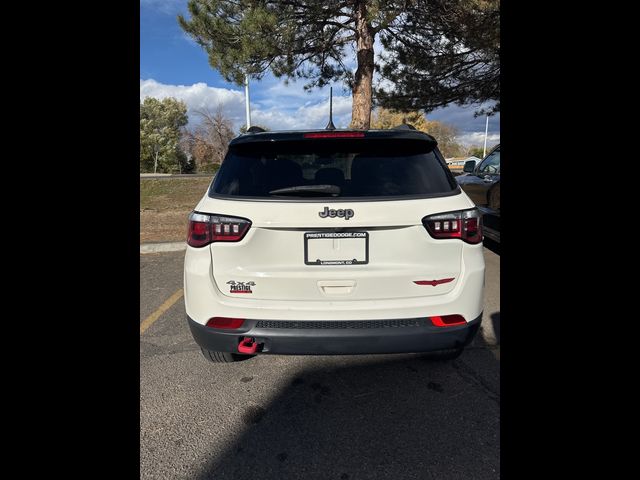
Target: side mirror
x=469 y=166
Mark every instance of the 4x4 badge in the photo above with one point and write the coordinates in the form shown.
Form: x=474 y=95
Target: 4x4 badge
x=346 y=213
x=240 y=287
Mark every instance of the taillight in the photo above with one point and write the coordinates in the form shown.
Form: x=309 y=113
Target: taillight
x=205 y=229
x=225 y=322
x=463 y=224
x=447 y=320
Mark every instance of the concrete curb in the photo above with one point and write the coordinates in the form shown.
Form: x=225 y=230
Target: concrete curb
x=162 y=247
x=164 y=176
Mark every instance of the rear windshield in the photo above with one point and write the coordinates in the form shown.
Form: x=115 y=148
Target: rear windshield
x=330 y=169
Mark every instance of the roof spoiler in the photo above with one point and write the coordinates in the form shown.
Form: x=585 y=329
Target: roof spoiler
x=404 y=126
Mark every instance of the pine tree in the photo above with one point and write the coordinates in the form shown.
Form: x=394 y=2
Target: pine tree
x=446 y=43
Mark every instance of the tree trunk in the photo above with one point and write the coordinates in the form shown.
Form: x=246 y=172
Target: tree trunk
x=362 y=87
x=155 y=163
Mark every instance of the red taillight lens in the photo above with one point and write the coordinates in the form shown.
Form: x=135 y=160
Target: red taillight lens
x=224 y=322
x=199 y=234
x=205 y=229
x=472 y=230
x=463 y=224
x=447 y=320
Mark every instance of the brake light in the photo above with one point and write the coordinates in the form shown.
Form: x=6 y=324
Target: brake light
x=334 y=135
x=463 y=224
x=205 y=229
x=447 y=320
x=224 y=322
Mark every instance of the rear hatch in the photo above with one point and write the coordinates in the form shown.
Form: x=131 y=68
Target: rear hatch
x=334 y=219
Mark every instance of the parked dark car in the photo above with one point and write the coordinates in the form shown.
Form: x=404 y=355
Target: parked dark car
x=482 y=184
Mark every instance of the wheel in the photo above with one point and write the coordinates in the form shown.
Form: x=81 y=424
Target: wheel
x=223 y=357
x=445 y=355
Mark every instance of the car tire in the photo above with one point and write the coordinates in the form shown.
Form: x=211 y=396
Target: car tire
x=223 y=357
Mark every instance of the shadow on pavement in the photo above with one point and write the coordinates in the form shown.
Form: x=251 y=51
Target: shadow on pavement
x=403 y=417
x=495 y=318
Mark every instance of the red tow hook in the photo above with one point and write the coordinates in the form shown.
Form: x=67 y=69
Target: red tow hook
x=247 y=345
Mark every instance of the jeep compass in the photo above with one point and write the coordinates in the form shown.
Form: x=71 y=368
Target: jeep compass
x=333 y=242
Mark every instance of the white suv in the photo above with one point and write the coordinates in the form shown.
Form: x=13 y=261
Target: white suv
x=333 y=242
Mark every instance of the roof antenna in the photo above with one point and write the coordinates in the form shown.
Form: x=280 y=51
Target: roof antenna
x=330 y=125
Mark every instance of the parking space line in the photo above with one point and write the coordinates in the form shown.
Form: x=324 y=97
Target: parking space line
x=147 y=322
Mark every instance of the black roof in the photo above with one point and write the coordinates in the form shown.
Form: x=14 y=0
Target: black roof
x=318 y=135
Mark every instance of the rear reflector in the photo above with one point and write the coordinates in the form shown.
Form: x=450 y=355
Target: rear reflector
x=433 y=283
x=334 y=135
x=447 y=320
x=205 y=229
x=224 y=322
x=463 y=224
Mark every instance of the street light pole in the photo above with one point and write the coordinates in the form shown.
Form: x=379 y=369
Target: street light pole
x=486 y=130
x=246 y=101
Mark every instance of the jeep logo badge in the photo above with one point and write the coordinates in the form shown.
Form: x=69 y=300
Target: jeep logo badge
x=343 y=213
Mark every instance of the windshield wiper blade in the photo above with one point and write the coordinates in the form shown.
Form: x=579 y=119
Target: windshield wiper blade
x=331 y=189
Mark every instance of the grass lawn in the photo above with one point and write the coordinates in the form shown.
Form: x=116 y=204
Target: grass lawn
x=165 y=204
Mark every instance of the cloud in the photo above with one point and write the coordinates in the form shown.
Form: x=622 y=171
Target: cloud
x=463 y=118
x=274 y=108
x=196 y=96
x=477 y=139
x=288 y=107
x=315 y=114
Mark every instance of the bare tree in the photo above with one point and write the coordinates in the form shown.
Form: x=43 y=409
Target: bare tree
x=207 y=142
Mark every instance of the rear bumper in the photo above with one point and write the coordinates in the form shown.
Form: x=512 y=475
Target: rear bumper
x=405 y=336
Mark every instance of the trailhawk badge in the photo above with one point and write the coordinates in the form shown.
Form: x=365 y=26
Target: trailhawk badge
x=342 y=213
x=240 y=287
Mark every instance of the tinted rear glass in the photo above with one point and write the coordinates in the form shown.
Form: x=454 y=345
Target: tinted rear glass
x=333 y=169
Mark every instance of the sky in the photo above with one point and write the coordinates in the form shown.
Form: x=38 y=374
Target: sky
x=172 y=64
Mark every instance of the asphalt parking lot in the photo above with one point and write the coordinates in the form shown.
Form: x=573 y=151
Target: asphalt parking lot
x=332 y=417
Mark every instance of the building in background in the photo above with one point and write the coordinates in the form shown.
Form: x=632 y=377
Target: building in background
x=456 y=164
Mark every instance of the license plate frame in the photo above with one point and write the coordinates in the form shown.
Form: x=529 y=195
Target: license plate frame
x=336 y=235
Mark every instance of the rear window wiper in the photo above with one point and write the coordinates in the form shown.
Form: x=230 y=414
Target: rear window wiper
x=330 y=189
